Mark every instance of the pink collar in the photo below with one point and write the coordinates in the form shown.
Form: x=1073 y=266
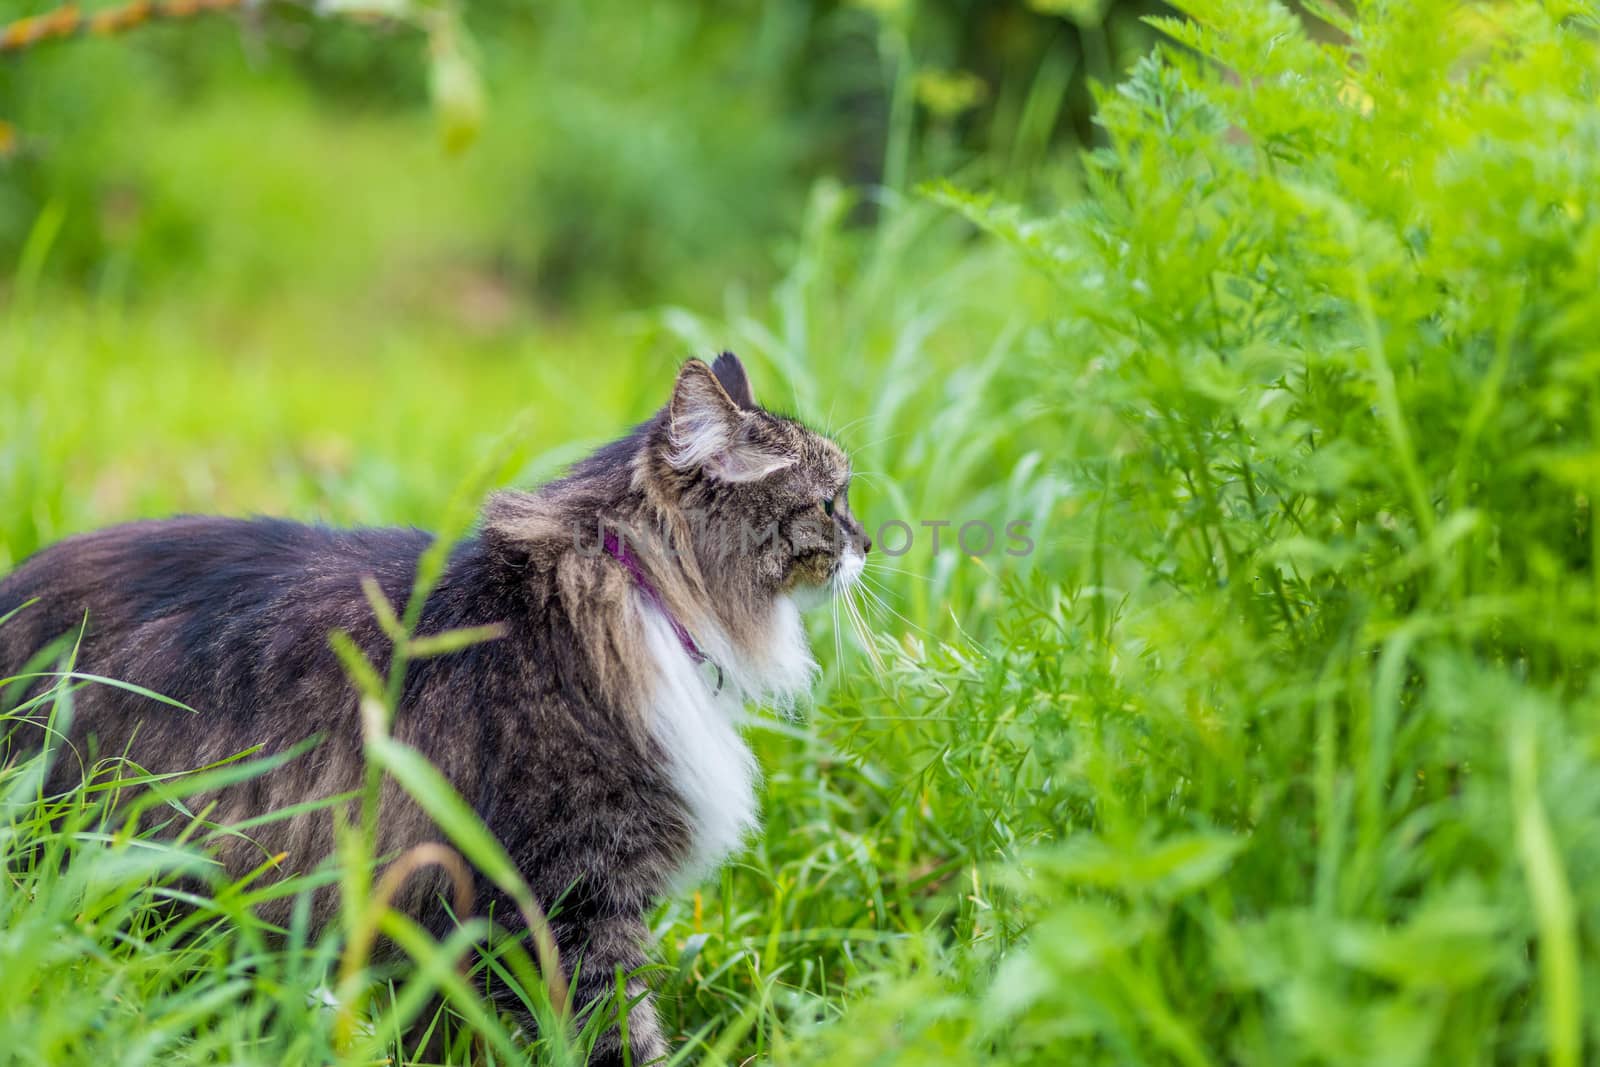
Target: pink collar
x=618 y=551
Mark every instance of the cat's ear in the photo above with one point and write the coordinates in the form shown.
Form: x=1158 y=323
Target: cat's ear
x=706 y=430
x=730 y=372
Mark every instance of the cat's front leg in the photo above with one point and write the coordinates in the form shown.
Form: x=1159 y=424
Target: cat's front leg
x=605 y=945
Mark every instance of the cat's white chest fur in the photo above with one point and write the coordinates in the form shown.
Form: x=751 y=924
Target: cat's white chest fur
x=697 y=726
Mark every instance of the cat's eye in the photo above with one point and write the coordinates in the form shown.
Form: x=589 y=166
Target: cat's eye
x=827 y=507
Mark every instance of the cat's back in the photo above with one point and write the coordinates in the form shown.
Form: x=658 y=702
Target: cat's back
x=205 y=568
x=202 y=609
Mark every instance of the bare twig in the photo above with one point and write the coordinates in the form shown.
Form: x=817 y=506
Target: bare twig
x=69 y=20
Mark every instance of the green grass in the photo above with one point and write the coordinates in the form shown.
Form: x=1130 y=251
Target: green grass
x=1283 y=747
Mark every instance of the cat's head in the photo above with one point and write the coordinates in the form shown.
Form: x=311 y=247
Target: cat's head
x=765 y=498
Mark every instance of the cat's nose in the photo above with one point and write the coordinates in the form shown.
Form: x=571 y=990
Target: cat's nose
x=866 y=543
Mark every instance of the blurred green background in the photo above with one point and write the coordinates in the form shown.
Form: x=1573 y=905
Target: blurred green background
x=634 y=152
x=234 y=207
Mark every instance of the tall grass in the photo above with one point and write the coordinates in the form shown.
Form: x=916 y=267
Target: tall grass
x=1315 y=715
x=1282 y=745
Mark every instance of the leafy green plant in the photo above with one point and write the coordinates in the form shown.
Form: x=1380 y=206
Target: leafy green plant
x=1325 y=677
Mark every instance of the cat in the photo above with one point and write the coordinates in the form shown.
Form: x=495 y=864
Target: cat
x=643 y=599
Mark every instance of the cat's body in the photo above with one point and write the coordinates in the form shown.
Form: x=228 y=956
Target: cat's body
x=590 y=736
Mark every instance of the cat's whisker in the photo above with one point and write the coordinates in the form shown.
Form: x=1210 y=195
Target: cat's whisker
x=886 y=569
x=873 y=600
x=873 y=477
x=884 y=604
x=863 y=633
x=877 y=583
x=867 y=637
x=839 y=642
x=840 y=432
x=879 y=441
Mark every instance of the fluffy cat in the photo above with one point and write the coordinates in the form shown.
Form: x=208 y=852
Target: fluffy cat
x=644 y=598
